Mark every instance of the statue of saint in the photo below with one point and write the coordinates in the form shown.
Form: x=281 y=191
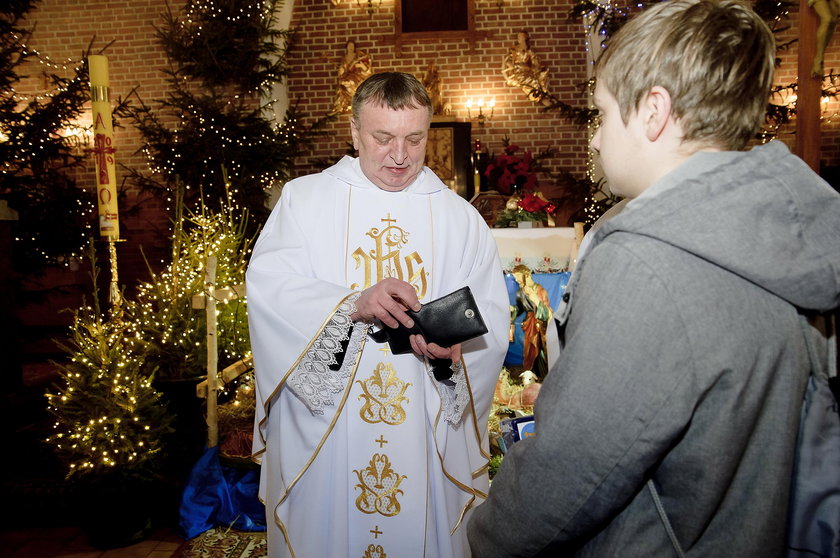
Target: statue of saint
x=532 y=299
x=355 y=68
x=521 y=68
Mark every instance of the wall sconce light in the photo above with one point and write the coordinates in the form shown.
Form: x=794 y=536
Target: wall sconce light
x=481 y=117
x=371 y=5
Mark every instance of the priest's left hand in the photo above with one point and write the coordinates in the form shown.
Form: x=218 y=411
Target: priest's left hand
x=433 y=350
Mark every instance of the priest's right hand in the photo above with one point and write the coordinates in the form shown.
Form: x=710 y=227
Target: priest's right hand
x=387 y=302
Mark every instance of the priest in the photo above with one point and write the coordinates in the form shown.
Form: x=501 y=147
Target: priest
x=364 y=452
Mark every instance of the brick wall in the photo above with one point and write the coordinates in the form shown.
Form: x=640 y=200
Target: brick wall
x=323 y=31
x=65 y=27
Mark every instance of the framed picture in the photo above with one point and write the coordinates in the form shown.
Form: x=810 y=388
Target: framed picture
x=429 y=16
x=448 y=155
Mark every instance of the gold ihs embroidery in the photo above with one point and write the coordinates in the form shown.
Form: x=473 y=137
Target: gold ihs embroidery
x=380 y=487
x=384 y=395
x=375 y=551
x=385 y=259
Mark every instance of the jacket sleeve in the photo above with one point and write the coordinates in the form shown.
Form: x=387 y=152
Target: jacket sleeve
x=605 y=414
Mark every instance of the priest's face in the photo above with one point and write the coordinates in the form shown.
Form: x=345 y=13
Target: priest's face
x=391 y=144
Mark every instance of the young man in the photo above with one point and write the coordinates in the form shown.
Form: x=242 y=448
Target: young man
x=364 y=452
x=668 y=424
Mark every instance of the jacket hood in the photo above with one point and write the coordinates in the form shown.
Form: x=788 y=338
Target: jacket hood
x=763 y=215
x=348 y=170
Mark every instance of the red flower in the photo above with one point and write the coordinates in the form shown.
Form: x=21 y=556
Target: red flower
x=533 y=204
x=508 y=169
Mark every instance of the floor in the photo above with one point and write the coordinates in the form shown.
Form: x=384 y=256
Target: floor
x=71 y=542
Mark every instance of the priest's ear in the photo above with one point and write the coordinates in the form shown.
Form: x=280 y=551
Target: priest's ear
x=354 y=133
x=656 y=112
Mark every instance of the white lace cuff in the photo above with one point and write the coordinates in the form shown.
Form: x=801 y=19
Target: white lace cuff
x=454 y=394
x=313 y=381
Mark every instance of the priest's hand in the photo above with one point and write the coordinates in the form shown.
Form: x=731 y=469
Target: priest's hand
x=387 y=302
x=433 y=350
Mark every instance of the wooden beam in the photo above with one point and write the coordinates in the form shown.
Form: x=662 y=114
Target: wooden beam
x=225 y=376
x=808 y=94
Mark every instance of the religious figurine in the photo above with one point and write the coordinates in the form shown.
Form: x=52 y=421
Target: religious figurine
x=431 y=81
x=532 y=298
x=827 y=11
x=355 y=67
x=521 y=68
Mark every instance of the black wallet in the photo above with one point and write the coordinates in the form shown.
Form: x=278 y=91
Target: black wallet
x=446 y=321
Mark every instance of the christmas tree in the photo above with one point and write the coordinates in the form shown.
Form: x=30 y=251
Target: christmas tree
x=162 y=315
x=108 y=416
x=225 y=59
x=39 y=149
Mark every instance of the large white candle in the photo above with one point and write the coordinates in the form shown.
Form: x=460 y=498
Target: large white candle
x=103 y=147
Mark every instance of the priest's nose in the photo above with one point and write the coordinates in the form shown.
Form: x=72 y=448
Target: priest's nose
x=399 y=153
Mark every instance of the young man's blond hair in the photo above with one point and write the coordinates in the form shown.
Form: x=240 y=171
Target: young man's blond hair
x=715 y=58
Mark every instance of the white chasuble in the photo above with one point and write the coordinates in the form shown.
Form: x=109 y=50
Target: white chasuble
x=370 y=457
x=386 y=418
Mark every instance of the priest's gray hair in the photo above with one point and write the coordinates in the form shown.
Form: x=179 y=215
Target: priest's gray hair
x=395 y=90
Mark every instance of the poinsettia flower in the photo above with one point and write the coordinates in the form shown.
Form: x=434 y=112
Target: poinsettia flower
x=508 y=170
x=533 y=204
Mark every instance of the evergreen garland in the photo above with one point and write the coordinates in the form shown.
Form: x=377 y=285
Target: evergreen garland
x=610 y=18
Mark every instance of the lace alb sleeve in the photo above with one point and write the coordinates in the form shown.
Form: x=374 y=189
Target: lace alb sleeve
x=313 y=381
x=454 y=394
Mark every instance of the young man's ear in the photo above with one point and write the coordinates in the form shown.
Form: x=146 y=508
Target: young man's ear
x=657 y=107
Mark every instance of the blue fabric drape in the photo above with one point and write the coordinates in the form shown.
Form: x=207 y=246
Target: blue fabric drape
x=219 y=495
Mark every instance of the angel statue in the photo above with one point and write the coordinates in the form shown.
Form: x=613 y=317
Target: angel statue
x=431 y=81
x=521 y=68
x=355 y=68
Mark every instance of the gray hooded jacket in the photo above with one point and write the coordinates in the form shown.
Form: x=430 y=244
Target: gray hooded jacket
x=682 y=360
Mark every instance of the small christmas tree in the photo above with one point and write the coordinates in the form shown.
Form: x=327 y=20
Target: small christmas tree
x=108 y=416
x=162 y=317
